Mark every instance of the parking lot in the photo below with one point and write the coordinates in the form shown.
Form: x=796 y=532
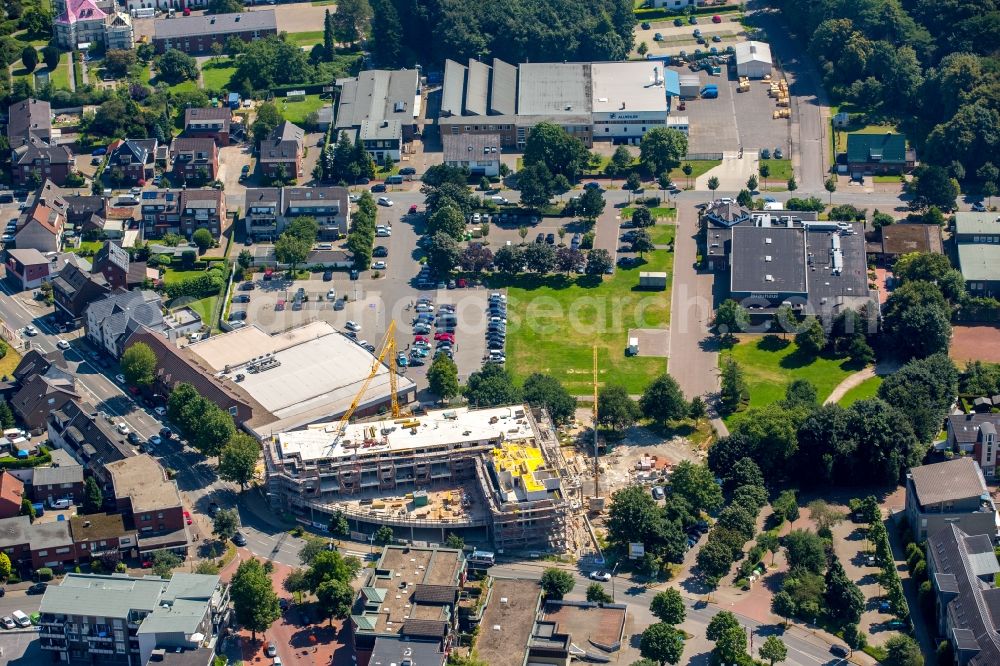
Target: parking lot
x=733 y=119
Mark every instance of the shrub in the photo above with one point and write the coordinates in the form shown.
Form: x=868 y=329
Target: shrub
x=44 y=574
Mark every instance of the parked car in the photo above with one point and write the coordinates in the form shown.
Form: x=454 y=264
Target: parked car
x=385 y=201
x=327 y=276
x=241 y=298
x=122 y=428
x=380 y=251
x=600 y=575
x=978 y=207
x=657 y=37
x=407 y=171
x=839 y=651
x=378 y=187
x=239 y=539
x=352 y=325
x=21 y=618
x=378 y=265
x=62 y=344
x=37 y=588
x=7 y=622
x=645 y=25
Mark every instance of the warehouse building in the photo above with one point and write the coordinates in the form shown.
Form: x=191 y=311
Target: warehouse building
x=380 y=108
x=612 y=101
x=498 y=470
x=753 y=59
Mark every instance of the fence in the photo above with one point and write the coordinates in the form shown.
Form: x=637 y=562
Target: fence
x=703 y=156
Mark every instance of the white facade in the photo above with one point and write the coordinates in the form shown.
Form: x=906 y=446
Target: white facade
x=753 y=59
x=628 y=99
x=679 y=123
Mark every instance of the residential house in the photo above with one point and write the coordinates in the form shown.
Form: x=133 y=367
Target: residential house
x=209 y=123
x=58 y=481
x=895 y=240
x=111 y=320
x=975 y=435
x=195 y=34
x=27 y=118
x=40 y=393
x=202 y=209
x=411 y=594
x=383 y=139
x=112 y=261
x=119 y=620
x=33 y=161
x=74 y=288
x=98 y=533
x=479 y=153
x=132 y=161
x=878 y=154
x=41 y=226
x=87 y=435
x=27 y=268
x=33 y=546
x=962 y=568
x=151 y=502
x=175 y=365
x=281 y=153
x=950 y=492
x=11 y=494
x=977 y=238
x=195 y=159
x=82 y=22
x=268 y=210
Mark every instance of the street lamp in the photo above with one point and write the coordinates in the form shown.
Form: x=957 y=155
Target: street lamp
x=613 y=570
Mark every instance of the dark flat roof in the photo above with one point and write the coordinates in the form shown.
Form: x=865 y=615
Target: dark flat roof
x=768 y=259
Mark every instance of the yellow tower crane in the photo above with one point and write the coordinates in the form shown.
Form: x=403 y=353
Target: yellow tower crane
x=388 y=347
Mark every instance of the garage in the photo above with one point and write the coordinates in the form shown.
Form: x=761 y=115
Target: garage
x=753 y=59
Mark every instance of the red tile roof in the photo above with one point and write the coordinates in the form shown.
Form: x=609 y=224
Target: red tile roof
x=11 y=492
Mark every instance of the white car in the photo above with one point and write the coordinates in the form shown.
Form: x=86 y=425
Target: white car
x=62 y=344
x=120 y=378
x=122 y=428
x=384 y=201
x=7 y=622
x=160 y=411
x=352 y=325
x=475 y=218
x=600 y=575
x=21 y=618
x=331 y=295
x=424 y=307
x=379 y=265
x=383 y=232
x=30 y=330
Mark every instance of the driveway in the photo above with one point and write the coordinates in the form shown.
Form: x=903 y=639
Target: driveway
x=232 y=159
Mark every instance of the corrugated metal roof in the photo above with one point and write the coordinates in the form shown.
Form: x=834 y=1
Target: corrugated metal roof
x=454 y=88
x=554 y=89
x=477 y=88
x=503 y=97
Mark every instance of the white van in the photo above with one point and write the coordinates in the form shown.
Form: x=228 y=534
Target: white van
x=21 y=619
x=62 y=503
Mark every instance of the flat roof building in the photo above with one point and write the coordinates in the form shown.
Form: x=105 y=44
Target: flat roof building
x=302 y=376
x=514 y=460
x=375 y=95
x=753 y=59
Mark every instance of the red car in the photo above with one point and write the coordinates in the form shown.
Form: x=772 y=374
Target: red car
x=716 y=19
x=187 y=517
x=187 y=11
x=419 y=338
x=147 y=564
x=413 y=209
x=461 y=283
x=450 y=337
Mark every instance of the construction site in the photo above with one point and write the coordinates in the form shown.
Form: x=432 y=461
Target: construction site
x=413 y=473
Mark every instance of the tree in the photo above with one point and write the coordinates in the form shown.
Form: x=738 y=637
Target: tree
x=856 y=639
x=642 y=217
x=29 y=57
x=540 y=257
x=598 y=262
x=203 y=239
x=662 y=643
x=764 y=170
x=476 y=258
x=713 y=184
x=633 y=183
x=164 y=563
x=551 y=145
x=730 y=318
x=590 y=205
x=642 y=243
x=731 y=647
x=932 y=186
x=338 y=525
x=225 y=524
x=745 y=472
x=615 y=408
x=5 y=567
x=330 y=565
x=688 y=170
x=634 y=516
x=443 y=253
x=770 y=543
x=902 y=650
x=224 y=7
x=792 y=184
x=454 y=541
x=175 y=66
x=51 y=55
x=989 y=190
x=6 y=415
x=668 y=606
x=245 y=259
x=291 y=250
x=805 y=549
x=844 y=599
x=384 y=535
x=254 y=600
x=661 y=149
x=719 y=624
x=556 y=583
x=295 y=582
x=786 y=506
x=800 y=393
x=335 y=598
x=545 y=391
x=642 y=50
x=569 y=260
x=783 y=605
x=491 y=386
x=238 y=460
x=621 y=159
x=752 y=182
x=267 y=118
x=696 y=484
x=812 y=339
x=509 y=259
x=663 y=400
x=448 y=219
x=535 y=184
x=745 y=199
x=830 y=185
x=93 y=498
x=139 y=365
x=734 y=390
x=773 y=650
x=597 y=594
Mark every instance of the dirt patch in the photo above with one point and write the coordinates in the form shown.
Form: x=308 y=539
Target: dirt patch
x=975 y=343
x=652 y=341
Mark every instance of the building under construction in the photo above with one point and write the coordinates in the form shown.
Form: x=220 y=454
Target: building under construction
x=499 y=469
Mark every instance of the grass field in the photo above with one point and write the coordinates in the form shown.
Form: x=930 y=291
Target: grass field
x=781 y=171
x=60 y=76
x=698 y=168
x=555 y=320
x=88 y=248
x=171 y=275
x=658 y=212
x=863 y=391
x=9 y=361
x=662 y=234
x=206 y=307
x=306 y=38
x=296 y=112
x=217 y=75
x=770 y=364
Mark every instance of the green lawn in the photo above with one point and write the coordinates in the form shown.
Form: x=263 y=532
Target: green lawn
x=296 y=112
x=658 y=212
x=886 y=179
x=171 y=275
x=306 y=38
x=88 y=248
x=662 y=234
x=23 y=40
x=206 y=307
x=781 y=171
x=10 y=361
x=78 y=72
x=217 y=74
x=60 y=76
x=770 y=364
x=555 y=321
x=698 y=168
x=863 y=391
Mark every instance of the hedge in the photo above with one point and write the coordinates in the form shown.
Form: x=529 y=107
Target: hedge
x=43 y=458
